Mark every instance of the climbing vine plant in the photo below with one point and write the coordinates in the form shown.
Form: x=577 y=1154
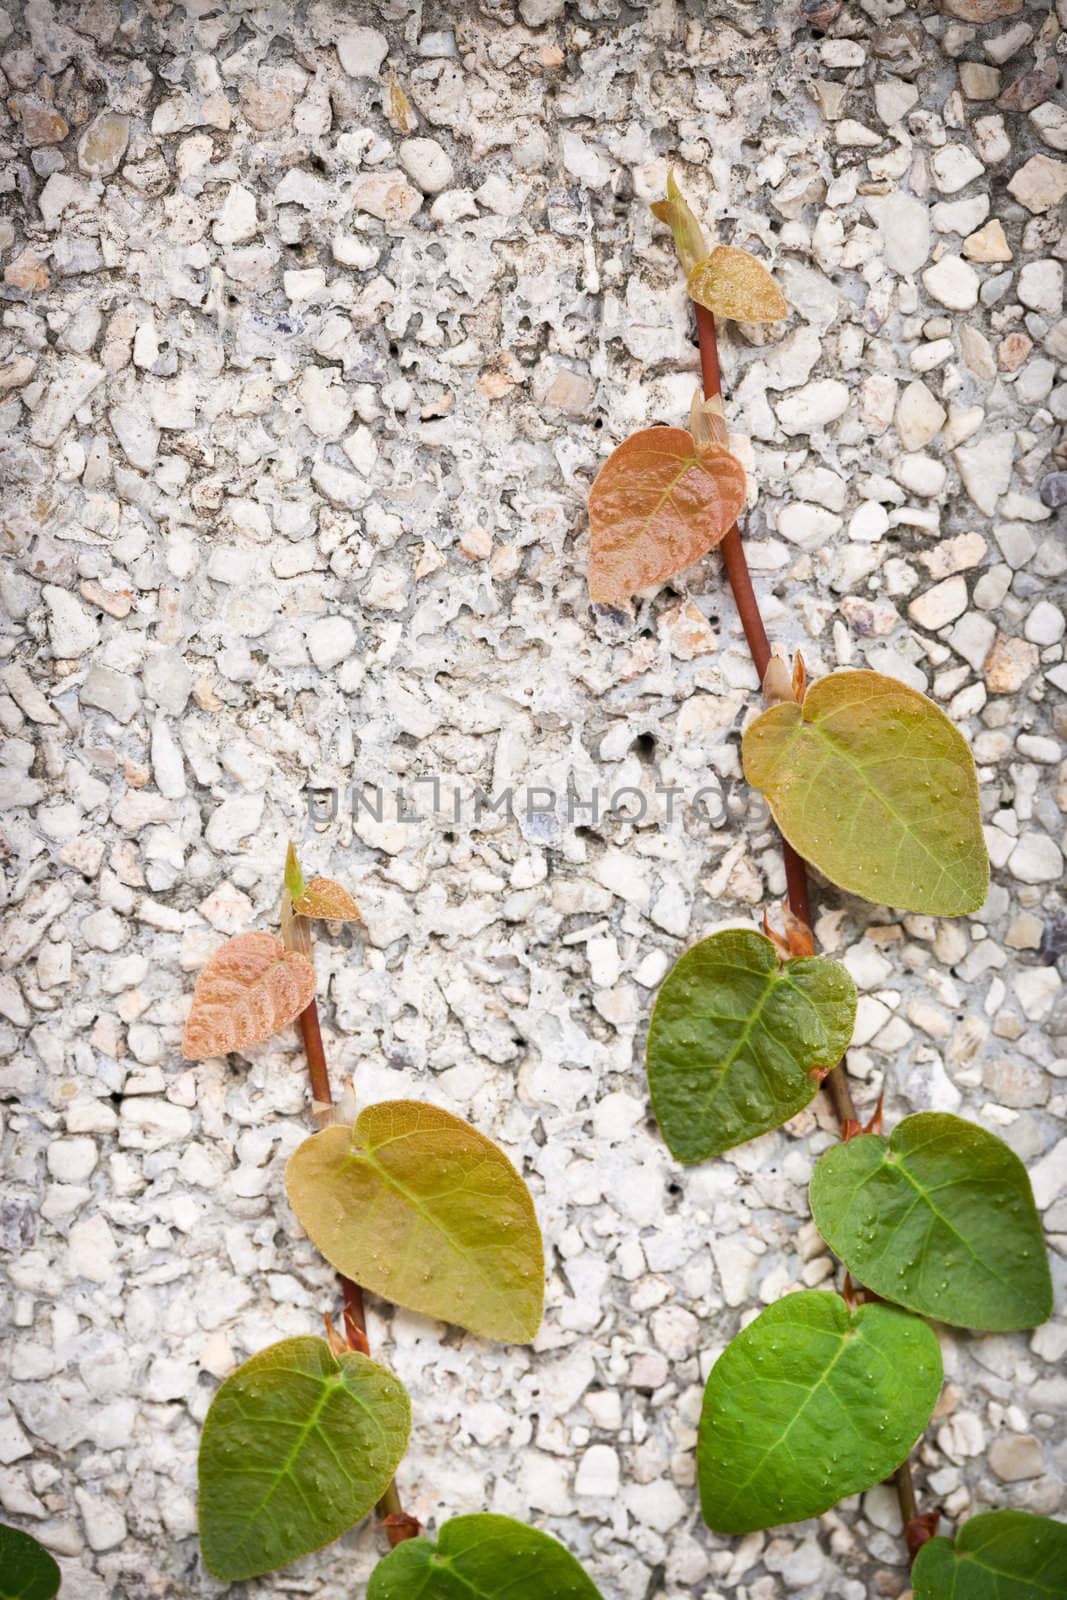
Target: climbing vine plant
x=402 y=1199
x=820 y=1396
x=823 y=1395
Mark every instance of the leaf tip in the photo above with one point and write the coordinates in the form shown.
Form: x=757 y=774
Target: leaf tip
x=294 y=877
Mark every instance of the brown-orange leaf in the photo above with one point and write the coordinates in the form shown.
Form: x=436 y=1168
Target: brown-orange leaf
x=251 y=988
x=322 y=897
x=659 y=503
x=734 y=285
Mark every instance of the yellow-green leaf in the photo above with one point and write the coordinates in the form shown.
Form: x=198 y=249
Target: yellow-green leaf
x=871 y=783
x=330 y=901
x=297 y=1445
x=422 y=1209
x=732 y=284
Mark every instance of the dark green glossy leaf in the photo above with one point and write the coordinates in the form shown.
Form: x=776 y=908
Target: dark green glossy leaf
x=1000 y=1555
x=940 y=1218
x=481 y=1558
x=809 y=1403
x=871 y=783
x=739 y=1040
x=27 y=1571
x=297 y=1446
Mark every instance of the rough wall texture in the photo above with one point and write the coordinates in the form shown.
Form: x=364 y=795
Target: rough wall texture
x=317 y=319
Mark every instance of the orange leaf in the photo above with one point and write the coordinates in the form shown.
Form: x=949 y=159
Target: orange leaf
x=658 y=504
x=734 y=285
x=324 y=898
x=249 y=990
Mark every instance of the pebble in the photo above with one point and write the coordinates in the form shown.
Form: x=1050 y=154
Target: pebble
x=361 y=51
x=954 y=166
x=1016 y=1457
x=103 y=143
x=919 y=416
x=953 y=282
x=331 y=640
x=1040 y=287
x=72 y=632
x=427 y=164
x=940 y=605
x=988 y=243
x=1010 y=663
x=1039 y=184
x=985 y=469
x=813 y=406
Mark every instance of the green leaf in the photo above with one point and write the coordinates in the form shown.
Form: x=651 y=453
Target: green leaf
x=294 y=877
x=940 y=1217
x=298 y=1445
x=481 y=1558
x=871 y=783
x=738 y=1040
x=688 y=238
x=811 y=1402
x=1000 y=1555
x=422 y=1209
x=27 y=1571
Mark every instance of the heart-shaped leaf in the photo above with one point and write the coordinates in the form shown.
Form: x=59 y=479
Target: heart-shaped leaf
x=493 y=1558
x=321 y=897
x=871 y=783
x=734 y=285
x=809 y=1403
x=659 y=503
x=1000 y=1555
x=940 y=1218
x=422 y=1209
x=27 y=1571
x=297 y=1445
x=324 y=898
x=250 y=989
x=739 y=1039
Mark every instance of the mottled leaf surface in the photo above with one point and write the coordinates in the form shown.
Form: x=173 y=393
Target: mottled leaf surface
x=738 y=1040
x=250 y=989
x=1000 y=1555
x=734 y=285
x=658 y=504
x=481 y=1558
x=298 y=1445
x=809 y=1403
x=27 y=1571
x=420 y=1208
x=871 y=783
x=940 y=1218
x=324 y=898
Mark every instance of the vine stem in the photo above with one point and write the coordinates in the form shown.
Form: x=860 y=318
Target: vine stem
x=796 y=875
x=398 y=1524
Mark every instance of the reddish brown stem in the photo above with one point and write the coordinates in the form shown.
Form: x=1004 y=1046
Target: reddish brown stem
x=916 y=1527
x=397 y=1523
x=318 y=1071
